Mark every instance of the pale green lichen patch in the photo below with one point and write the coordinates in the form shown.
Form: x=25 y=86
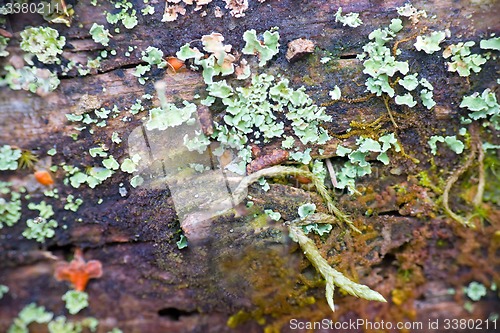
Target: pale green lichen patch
x=32 y=313
x=456 y=145
x=100 y=34
x=219 y=61
x=358 y=166
x=4 y=41
x=43 y=42
x=9 y=157
x=349 y=19
x=411 y=12
x=275 y=216
x=406 y=99
x=41 y=227
x=483 y=106
x=130 y=164
x=462 y=60
x=335 y=94
x=265 y=49
x=306 y=209
x=490 y=44
x=125 y=14
x=36 y=80
x=169 y=115
x=72 y=204
x=75 y=300
x=10 y=205
x=430 y=44
x=475 y=291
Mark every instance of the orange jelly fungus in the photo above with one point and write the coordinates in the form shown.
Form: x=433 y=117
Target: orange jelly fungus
x=174 y=63
x=44 y=177
x=78 y=271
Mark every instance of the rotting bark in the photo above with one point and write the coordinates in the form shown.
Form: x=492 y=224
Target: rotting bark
x=148 y=284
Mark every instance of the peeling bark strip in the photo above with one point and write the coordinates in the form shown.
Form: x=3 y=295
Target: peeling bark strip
x=278 y=156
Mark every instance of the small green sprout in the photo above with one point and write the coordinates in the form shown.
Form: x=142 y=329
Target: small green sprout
x=44 y=43
x=475 y=291
x=350 y=19
x=75 y=301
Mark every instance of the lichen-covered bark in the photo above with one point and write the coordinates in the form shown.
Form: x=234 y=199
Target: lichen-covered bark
x=407 y=252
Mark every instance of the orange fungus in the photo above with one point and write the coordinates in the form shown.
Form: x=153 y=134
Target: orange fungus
x=174 y=63
x=44 y=177
x=78 y=271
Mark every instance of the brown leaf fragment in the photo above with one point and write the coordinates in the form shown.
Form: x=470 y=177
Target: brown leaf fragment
x=298 y=48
